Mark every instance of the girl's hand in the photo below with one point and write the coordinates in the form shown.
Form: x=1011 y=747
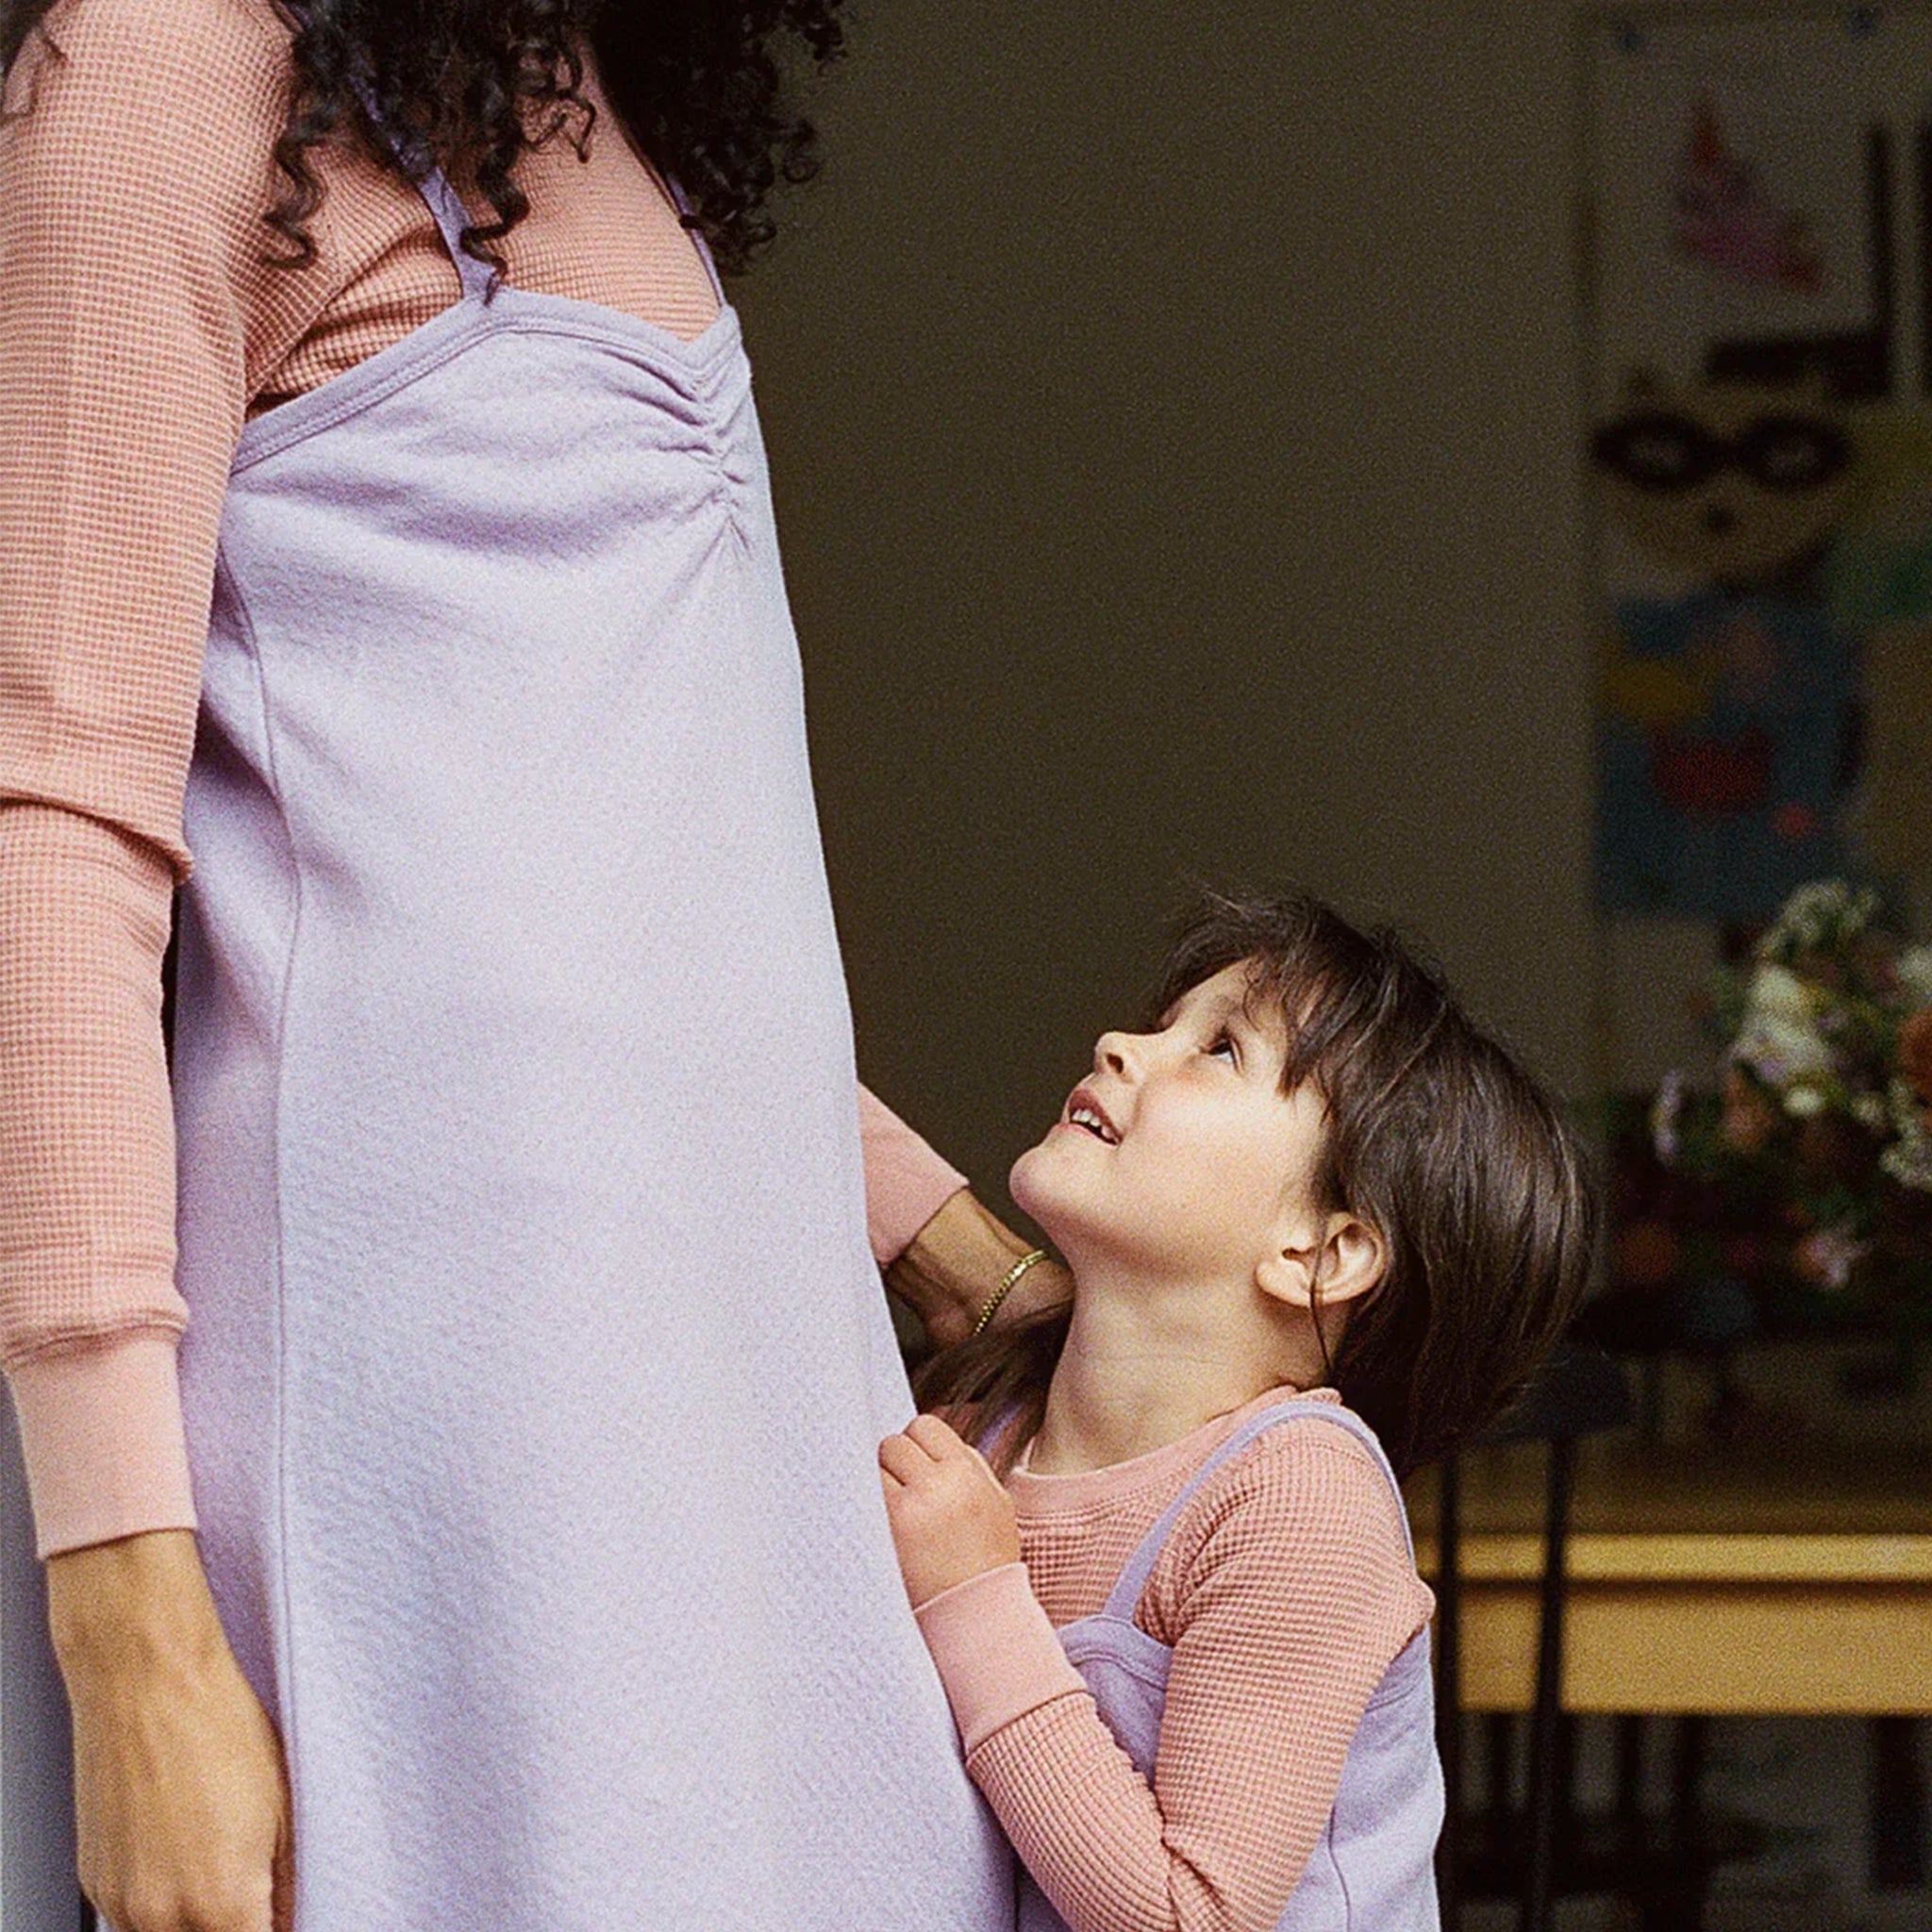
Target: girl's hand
x=950 y=1517
x=182 y=1793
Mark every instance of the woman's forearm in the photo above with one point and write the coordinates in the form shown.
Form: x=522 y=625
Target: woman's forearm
x=119 y=1604
x=182 y=1813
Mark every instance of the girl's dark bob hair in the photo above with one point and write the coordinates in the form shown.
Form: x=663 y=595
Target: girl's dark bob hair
x=1483 y=1192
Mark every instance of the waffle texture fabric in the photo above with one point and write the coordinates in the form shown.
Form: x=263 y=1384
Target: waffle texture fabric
x=141 y=333
x=1286 y=1591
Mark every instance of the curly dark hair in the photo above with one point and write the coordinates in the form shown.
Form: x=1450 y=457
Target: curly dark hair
x=698 y=84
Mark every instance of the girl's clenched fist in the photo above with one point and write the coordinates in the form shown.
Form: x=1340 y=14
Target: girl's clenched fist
x=950 y=1517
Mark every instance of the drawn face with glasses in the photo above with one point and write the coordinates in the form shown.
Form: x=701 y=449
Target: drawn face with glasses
x=1666 y=451
x=1732 y=483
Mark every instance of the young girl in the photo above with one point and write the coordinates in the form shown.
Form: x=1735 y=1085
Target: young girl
x=1321 y=1229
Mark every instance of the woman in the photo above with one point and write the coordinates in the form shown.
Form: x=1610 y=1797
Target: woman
x=430 y=618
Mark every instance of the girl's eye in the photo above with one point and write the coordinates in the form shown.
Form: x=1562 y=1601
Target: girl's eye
x=1225 y=1042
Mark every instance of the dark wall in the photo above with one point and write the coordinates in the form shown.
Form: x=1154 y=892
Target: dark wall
x=1173 y=415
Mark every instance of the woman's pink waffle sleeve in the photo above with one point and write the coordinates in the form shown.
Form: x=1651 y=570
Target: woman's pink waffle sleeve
x=906 y=1182
x=137 y=323
x=123 y=386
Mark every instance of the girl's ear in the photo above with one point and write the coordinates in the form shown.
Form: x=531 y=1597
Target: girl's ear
x=1339 y=1257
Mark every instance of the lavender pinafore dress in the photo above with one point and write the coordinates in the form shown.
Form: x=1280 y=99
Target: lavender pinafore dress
x=1373 y=1869
x=537 y=1360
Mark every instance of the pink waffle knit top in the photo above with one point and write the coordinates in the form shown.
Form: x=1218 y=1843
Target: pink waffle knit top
x=1284 y=1589
x=139 y=331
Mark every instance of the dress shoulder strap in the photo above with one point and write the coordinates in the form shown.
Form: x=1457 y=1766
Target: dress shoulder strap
x=443 y=202
x=1132 y=1581
x=451 y=217
x=681 y=201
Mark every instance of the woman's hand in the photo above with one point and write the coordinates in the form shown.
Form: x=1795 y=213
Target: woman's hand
x=950 y=1517
x=182 y=1793
x=956 y=1262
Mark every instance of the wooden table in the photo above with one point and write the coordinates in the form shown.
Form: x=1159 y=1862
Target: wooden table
x=1776 y=1580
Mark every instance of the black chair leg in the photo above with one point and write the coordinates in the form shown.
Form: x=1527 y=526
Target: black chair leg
x=1898 y=1849
x=1629 y=1785
x=1569 y=1738
x=1679 y=1905
x=1542 y=1794
x=1499 y=1756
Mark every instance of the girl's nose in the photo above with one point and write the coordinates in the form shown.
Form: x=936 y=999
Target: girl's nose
x=1113 y=1053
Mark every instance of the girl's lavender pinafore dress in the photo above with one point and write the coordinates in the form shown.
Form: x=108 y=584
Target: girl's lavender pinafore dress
x=537 y=1358
x=1373 y=1869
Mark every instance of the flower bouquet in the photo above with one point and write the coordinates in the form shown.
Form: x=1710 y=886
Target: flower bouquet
x=1813 y=1160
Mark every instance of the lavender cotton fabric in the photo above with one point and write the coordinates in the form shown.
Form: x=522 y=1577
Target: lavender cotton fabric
x=537 y=1357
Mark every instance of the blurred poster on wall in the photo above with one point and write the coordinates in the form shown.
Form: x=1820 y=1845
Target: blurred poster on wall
x=1759 y=245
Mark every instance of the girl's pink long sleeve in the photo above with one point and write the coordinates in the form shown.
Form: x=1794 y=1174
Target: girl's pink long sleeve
x=1286 y=1591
